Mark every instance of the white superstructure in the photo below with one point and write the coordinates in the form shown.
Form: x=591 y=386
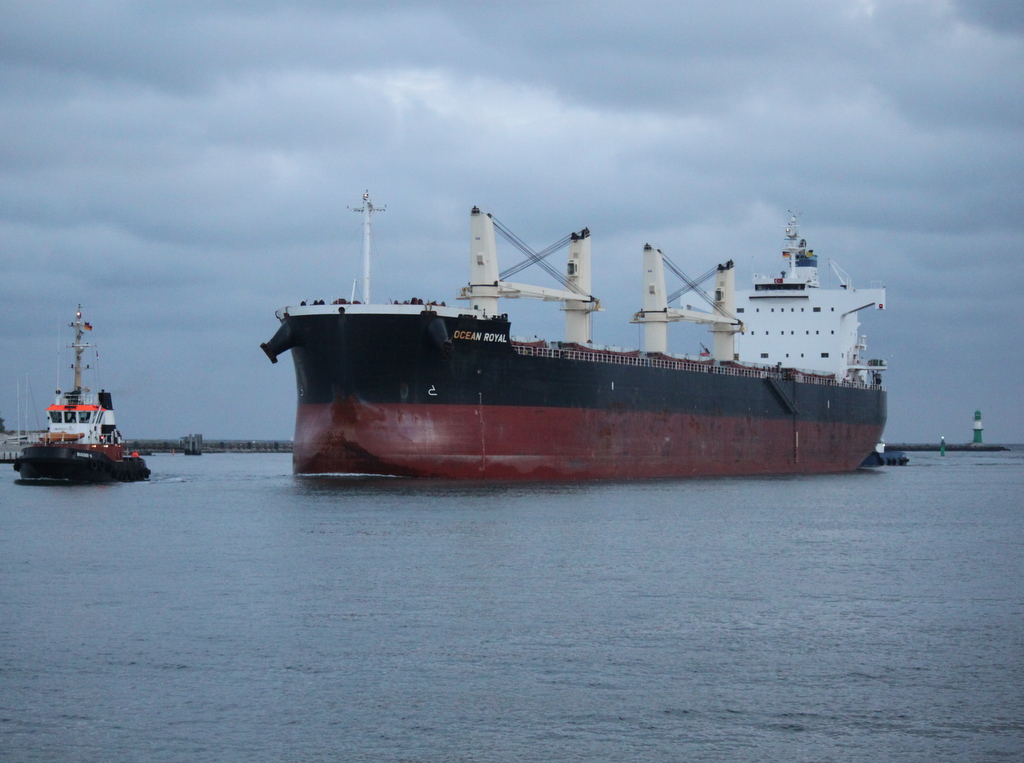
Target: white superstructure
x=789 y=319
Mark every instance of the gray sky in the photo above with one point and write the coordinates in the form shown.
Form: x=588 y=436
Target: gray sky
x=183 y=169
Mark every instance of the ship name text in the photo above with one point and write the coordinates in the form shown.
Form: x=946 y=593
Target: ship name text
x=479 y=336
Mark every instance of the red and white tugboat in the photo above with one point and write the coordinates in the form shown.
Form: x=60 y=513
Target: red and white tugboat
x=82 y=443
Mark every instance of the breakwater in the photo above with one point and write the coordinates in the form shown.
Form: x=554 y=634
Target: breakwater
x=11 y=450
x=185 y=445
x=209 y=446
x=938 y=446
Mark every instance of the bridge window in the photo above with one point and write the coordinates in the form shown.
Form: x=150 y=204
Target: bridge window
x=824 y=354
x=779 y=286
x=55 y=417
x=84 y=416
x=764 y=354
x=69 y=417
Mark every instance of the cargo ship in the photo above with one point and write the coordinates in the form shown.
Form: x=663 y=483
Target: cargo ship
x=82 y=442
x=423 y=389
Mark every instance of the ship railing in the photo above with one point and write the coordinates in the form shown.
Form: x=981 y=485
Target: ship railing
x=681 y=364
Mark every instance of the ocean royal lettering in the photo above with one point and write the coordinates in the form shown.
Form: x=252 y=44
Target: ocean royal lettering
x=478 y=336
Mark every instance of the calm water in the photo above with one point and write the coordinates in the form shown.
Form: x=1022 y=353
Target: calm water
x=229 y=611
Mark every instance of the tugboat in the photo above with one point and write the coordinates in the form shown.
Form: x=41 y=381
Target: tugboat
x=82 y=443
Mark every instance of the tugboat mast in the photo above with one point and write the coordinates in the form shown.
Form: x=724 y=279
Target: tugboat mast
x=79 y=326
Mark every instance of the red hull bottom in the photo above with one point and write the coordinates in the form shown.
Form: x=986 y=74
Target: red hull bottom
x=523 y=443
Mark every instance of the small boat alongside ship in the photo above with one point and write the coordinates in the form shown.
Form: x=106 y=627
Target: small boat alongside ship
x=428 y=390
x=881 y=456
x=82 y=442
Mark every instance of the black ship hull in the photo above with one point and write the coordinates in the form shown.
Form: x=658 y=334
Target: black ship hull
x=425 y=393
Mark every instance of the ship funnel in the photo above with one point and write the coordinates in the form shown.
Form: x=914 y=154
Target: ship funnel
x=282 y=341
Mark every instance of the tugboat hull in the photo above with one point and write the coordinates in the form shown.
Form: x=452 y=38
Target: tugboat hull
x=78 y=465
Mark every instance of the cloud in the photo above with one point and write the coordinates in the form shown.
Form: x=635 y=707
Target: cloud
x=994 y=15
x=185 y=169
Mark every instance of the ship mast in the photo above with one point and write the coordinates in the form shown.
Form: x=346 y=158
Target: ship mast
x=79 y=326
x=367 y=209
